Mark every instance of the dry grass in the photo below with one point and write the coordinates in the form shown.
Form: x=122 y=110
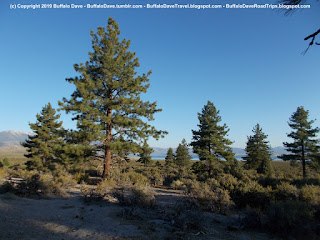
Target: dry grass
x=14 y=154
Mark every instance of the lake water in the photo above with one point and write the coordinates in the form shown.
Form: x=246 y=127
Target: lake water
x=195 y=157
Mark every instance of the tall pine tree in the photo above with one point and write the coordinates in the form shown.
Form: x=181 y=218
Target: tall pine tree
x=210 y=141
x=169 y=157
x=45 y=146
x=182 y=158
x=145 y=154
x=107 y=97
x=258 y=152
x=304 y=146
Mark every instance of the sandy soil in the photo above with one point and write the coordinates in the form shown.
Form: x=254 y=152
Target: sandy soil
x=70 y=218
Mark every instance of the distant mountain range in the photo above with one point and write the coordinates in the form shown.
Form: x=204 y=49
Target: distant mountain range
x=13 y=138
x=276 y=151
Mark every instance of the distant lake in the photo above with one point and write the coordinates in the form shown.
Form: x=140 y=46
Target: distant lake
x=195 y=157
x=162 y=157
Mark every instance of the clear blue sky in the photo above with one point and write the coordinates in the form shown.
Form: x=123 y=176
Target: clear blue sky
x=247 y=62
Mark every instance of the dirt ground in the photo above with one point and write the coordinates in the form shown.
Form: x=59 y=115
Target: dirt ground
x=71 y=218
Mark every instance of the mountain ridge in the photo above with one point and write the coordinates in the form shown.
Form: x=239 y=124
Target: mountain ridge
x=11 y=138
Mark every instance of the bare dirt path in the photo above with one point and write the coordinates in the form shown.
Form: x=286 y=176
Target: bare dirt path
x=167 y=197
x=60 y=218
x=70 y=218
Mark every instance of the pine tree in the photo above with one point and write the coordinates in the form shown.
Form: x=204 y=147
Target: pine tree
x=124 y=148
x=210 y=141
x=182 y=158
x=258 y=152
x=77 y=149
x=169 y=157
x=107 y=97
x=45 y=146
x=304 y=146
x=145 y=154
x=265 y=167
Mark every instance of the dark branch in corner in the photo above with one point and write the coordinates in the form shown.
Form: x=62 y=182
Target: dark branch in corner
x=313 y=37
x=290 y=11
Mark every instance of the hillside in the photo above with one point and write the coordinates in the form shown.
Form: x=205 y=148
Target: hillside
x=15 y=154
x=237 y=151
x=12 y=138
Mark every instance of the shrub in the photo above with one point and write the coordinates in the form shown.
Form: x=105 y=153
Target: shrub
x=137 y=179
x=33 y=183
x=117 y=175
x=269 y=182
x=201 y=170
x=300 y=182
x=289 y=219
x=127 y=177
x=153 y=174
x=185 y=172
x=169 y=178
x=177 y=184
x=234 y=168
x=213 y=183
x=215 y=200
x=251 y=194
x=141 y=196
x=285 y=192
x=80 y=177
x=49 y=186
x=227 y=181
x=92 y=194
x=61 y=177
x=222 y=200
x=158 y=165
x=191 y=185
x=105 y=186
x=310 y=194
x=6 y=162
x=20 y=173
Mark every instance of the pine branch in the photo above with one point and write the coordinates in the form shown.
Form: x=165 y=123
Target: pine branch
x=312 y=36
x=124 y=130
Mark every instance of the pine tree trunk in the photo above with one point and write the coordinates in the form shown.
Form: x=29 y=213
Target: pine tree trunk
x=107 y=162
x=107 y=154
x=303 y=160
x=210 y=172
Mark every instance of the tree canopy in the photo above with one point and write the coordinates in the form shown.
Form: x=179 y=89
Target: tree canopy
x=169 y=157
x=210 y=141
x=182 y=156
x=305 y=146
x=44 y=147
x=258 y=152
x=145 y=154
x=107 y=100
